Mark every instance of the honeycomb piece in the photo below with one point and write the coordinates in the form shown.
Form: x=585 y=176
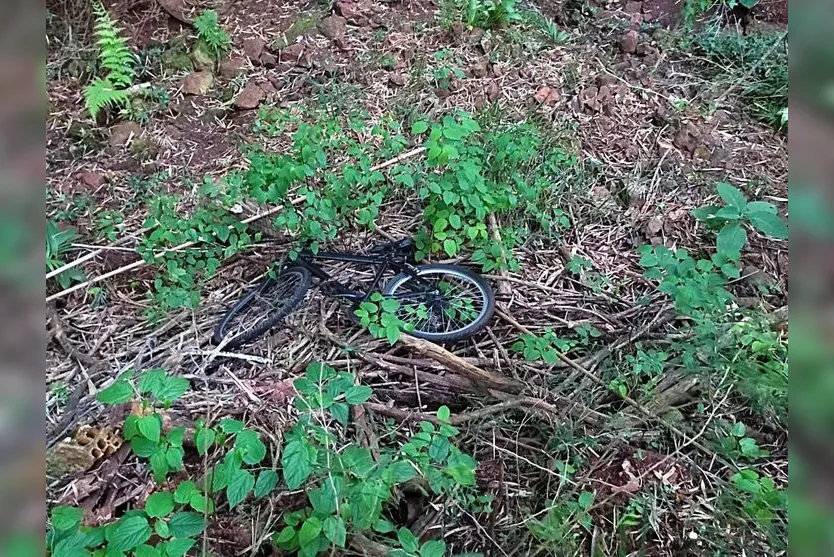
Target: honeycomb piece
x=100 y=441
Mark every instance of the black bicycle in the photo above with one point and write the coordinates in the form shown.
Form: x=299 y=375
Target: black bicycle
x=441 y=303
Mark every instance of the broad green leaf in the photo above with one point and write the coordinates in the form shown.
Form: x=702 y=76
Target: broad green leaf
x=172 y=389
x=228 y=425
x=176 y=436
x=178 y=547
x=240 y=484
x=732 y=196
x=760 y=207
x=408 y=540
x=146 y=550
x=340 y=412
x=174 y=456
x=201 y=503
x=161 y=529
x=310 y=530
x=251 y=447
x=65 y=517
x=450 y=247
x=454 y=133
x=129 y=428
x=443 y=413
x=267 y=480
x=160 y=504
x=419 y=127
x=150 y=426
x=335 y=531
x=402 y=471
x=151 y=381
x=739 y=429
x=769 y=224
x=383 y=526
x=392 y=332
x=185 y=490
x=144 y=447
x=285 y=537
x=296 y=463
x=117 y=393
x=159 y=466
x=358 y=394
x=204 y=440
x=131 y=532
x=731 y=240
x=186 y=524
x=586 y=499
x=433 y=548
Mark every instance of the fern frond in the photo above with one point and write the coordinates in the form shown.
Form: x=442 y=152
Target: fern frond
x=102 y=94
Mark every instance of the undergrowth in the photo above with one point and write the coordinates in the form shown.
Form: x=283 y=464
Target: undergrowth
x=117 y=63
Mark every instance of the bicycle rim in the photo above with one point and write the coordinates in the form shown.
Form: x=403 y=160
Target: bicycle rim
x=461 y=306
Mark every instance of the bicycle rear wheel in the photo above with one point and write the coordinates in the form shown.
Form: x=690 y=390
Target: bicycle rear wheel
x=262 y=308
x=446 y=304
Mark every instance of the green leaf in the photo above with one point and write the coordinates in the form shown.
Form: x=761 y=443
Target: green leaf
x=174 y=456
x=228 y=425
x=769 y=224
x=178 y=547
x=251 y=447
x=130 y=532
x=732 y=196
x=454 y=133
x=151 y=381
x=185 y=490
x=739 y=429
x=176 y=435
x=309 y=531
x=150 y=427
x=161 y=529
x=383 y=526
x=433 y=548
x=408 y=540
x=267 y=480
x=159 y=466
x=204 y=440
x=731 y=240
x=285 y=536
x=240 y=484
x=129 y=428
x=117 y=393
x=402 y=471
x=358 y=394
x=65 y=517
x=146 y=550
x=419 y=127
x=443 y=413
x=335 y=531
x=201 y=503
x=186 y=524
x=296 y=463
x=340 y=412
x=586 y=499
x=172 y=389
x=450 y=247
x=392 y=332
x=160 y=504
x=144 y=447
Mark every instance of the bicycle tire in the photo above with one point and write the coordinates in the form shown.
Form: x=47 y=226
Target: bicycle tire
x=479 y=323
x=272 y=318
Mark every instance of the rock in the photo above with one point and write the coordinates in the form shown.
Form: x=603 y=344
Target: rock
x=757 y=278
x=547 y=95
x=292 y=53
x=629 y=41
x=605 y=79
x=268 y=60
x=654 y=226
x=633 y=7
x=232 y=68
x=123 y=132
x=197 y=83
x=253 y=48
x=493 y=91
x=396 y=79
x=90 y=178
x=332 y=27
x=688 y=138
x=250 y=97
x=442 y=93
x=202 y=60
x=353 y=12
x=178 y=9
x=480 y=68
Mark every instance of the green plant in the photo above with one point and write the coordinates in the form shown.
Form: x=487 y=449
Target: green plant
x=347 y=488
x=58 y=243
x=760 y=497
x=560 y=527
x=737 y=445
x=118 y=63
x=210 y=36
x=544 y=347
x=488 y=14
x=443 y=76
x=379 y=316
x=583 y=269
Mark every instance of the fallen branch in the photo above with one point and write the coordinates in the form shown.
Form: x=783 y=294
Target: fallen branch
x=483 y=380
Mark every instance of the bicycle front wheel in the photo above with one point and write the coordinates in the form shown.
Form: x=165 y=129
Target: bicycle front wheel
x=262 y=308
x=444 y=303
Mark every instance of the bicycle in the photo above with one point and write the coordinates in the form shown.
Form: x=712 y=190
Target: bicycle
x=441 y=303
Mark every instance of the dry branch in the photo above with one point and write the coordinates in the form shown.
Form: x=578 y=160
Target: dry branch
x=484 y=380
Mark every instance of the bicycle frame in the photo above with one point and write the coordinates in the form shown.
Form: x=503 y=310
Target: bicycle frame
x=381 y=263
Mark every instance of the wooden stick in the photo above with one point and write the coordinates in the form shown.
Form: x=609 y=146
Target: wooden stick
x=483 y=380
